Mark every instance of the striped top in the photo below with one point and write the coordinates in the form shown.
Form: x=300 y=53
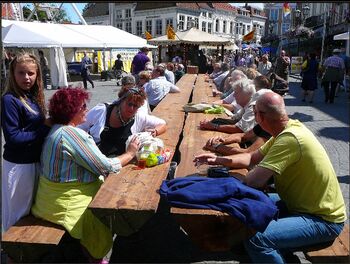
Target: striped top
x=70 y=154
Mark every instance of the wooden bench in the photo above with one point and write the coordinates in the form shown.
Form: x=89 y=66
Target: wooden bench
x=333 y=252
x=31 y=238
x=209 y=229
x=127 y=200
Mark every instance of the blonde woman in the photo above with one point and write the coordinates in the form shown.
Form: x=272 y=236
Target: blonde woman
x=24 y=127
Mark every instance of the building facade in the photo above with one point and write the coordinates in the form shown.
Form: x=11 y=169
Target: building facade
x=221 y=19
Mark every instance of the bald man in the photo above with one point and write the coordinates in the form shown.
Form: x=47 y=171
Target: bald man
x=311 y=204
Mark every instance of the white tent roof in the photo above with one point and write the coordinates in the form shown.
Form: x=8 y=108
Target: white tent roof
x=191 y=36
x=342 y=36
x=17 y=36
x=31 y=34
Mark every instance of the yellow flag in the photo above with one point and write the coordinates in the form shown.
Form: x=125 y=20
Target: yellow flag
x=170 y=32
x=148 y=35
x=249 y=36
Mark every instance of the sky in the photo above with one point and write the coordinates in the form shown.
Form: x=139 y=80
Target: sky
x=258 y=5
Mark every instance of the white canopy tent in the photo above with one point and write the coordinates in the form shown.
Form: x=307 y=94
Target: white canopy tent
x=58 y=36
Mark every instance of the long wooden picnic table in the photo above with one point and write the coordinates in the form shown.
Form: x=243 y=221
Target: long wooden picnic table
x=209 y=229
x=126 y=200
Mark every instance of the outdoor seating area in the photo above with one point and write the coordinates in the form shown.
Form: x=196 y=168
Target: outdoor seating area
x=126 y=201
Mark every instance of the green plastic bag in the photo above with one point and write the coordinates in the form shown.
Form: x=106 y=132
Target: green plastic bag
x=215 y=110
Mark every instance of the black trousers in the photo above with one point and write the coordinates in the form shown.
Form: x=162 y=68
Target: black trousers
x=86 y=77
x=329 y=93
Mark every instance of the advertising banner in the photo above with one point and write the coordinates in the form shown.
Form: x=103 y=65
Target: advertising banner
x=296 y=63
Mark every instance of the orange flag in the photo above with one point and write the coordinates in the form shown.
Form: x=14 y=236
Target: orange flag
x=249 y=36
x=170 y=32
x=148 y=35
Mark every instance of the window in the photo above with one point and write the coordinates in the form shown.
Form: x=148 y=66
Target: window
x=190 y=22
x=169 y=21
x=243 y=29
x=149 y=26
x=285 y=27
x=128 y=13
x=159 y=28
x=210 y=15
x=128 y=26
x=231 y=27
x=204 y=14
x=196 y=22
x=248 y=28
x=139 y=28
x=274 y=15
x=118 y=14
x=119 y=25
x=237 y=28
x=181 y=22
x=224 y=26
x=217 y=25
x=204 y=26
x=209 y=27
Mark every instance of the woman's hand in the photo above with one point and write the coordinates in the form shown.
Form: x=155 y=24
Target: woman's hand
x=153 y=131
x=133 y=146
x=206 y=125
x=215 y=140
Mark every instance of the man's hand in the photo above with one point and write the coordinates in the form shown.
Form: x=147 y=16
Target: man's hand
x=208 y=158
x=215 y=140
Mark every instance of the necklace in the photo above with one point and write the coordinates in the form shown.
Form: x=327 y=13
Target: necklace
x=119 y=115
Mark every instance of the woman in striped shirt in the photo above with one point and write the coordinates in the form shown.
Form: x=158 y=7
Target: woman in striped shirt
x=72 y=171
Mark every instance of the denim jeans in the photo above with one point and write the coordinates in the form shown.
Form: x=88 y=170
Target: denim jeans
x=287 y=233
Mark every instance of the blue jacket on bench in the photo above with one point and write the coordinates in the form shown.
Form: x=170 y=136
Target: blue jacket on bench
x=250 y=206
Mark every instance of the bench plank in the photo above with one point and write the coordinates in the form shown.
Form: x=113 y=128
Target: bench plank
x=338 y=252
x=33 y=230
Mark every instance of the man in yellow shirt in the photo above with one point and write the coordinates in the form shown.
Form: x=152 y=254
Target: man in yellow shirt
x=312 y=208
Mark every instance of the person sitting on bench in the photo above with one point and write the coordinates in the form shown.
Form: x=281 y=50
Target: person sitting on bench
x=71 y=165
x=311 y=204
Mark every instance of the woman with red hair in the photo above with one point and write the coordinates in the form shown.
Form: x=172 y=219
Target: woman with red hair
x=71 y=165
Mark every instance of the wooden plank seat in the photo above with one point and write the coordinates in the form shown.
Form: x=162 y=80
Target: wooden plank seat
x=209 y=229
x=31 y=238
x=336 y=251
x=128 y=199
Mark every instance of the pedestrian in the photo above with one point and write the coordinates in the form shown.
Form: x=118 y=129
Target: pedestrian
x=333 y=75
x=24 y=127
x=85 y=72
x=309 y=72
x=265 y=65
x=118 y=67
x=282 y=66
x=139 y=61
x=44 y=65
x=202 y=62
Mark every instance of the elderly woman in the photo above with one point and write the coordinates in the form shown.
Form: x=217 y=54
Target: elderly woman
x=71 y=165
x=111 y=125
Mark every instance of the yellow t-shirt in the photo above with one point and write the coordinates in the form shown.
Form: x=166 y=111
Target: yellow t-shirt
x=305 y=179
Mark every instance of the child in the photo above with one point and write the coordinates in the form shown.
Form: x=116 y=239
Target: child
x=24 y=127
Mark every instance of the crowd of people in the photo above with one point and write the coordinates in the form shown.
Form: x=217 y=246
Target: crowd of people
x=81 y=147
